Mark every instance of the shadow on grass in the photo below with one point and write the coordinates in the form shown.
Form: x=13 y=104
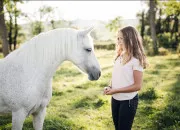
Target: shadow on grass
x=89 y=102
x=161 y=66
x=5 y=120
x=174 y=62
x=49 y=124
x=149 y=94
x=56 y=93
x=169 y=118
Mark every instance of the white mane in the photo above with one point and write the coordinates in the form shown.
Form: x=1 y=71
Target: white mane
x=41 y=49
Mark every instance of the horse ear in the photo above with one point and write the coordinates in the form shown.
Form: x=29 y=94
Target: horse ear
x=86 y=31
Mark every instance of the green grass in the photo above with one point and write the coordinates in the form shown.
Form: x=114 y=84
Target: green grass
x=79 y=104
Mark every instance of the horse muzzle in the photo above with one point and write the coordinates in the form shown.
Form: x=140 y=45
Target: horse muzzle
x=94 y=74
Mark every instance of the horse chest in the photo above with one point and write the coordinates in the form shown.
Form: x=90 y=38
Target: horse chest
x=42 y=100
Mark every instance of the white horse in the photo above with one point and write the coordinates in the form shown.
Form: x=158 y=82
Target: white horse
x=26 y=74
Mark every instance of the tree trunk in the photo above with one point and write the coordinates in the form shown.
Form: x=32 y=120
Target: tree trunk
x=175 y=30
x=10 y=31
x=142 y=25
x=3 y=30
x=15 y=28
x=152 y=12
x=167 y=24
x=52 y=24
x=158 y=26
x=16 y=33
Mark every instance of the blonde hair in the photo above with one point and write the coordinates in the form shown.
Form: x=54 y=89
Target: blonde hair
x=133 y=45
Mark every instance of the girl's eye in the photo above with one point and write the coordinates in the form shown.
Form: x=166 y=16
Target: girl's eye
x=89 y=50
x=118 y=38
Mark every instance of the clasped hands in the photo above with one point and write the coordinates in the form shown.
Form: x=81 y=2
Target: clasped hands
x=109 y=91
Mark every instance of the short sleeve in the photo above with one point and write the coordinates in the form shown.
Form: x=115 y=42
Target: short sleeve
x=137 y=65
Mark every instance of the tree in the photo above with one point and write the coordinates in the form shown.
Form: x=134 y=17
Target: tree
x=114 y=24
x=16 y=14
x=159 y=25
x=141 y=17
x=152 y=12
x=172 y=10
x=44 y=14
x=37 y=27
x=53 y=24
x=3 y=30
x=9 y=8
x=12 y=24
x=166 y=19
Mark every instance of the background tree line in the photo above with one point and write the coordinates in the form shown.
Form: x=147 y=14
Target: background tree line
x=159 y=25
x=10 y=30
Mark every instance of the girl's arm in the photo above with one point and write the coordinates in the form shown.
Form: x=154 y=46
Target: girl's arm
x=132 y=88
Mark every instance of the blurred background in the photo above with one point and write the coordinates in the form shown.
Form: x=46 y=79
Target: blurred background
x=79 y=104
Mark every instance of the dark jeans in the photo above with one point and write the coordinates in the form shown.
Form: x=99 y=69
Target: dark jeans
x=123 y=113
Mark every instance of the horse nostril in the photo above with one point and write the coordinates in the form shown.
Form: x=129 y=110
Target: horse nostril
x=99 y=73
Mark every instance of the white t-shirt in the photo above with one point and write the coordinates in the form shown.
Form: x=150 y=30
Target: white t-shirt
x=122 y=76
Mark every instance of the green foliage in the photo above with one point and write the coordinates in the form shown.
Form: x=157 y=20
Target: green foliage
x=45 y=9
x=148 y=45
x=37 y=27
x=165 y=40
x=172 y=7
x=107 y=47
x=166 y=23
x=12 y=26
x=114 y=24
x=45 y=13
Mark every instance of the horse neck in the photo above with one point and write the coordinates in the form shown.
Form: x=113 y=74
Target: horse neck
x=47 y=51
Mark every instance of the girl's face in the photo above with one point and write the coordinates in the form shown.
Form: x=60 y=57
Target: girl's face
x=120 y=41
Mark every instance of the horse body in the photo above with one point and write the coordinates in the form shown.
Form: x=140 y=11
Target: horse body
x=26 y=74
x=29 y=93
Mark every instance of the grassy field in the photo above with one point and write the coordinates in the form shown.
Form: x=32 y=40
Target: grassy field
x=79 y=104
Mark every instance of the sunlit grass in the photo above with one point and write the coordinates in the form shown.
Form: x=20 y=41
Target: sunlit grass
x=79 y=104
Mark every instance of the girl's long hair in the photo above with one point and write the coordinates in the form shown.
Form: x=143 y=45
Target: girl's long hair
x=133 y=45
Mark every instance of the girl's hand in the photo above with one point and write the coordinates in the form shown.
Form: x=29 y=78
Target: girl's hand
x=109 y=91
x=106 y=89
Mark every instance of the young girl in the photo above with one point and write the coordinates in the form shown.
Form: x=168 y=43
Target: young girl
x=127 y=77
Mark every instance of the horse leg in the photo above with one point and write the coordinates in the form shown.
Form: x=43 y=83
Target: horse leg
x=18 y=118
x=38 y=119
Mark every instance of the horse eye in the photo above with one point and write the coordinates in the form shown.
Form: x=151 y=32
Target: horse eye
x=89 y=50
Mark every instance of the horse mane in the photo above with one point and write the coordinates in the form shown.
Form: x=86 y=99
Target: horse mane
x=45 y=46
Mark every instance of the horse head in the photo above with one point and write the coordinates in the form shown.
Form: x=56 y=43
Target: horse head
x=84 y=57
